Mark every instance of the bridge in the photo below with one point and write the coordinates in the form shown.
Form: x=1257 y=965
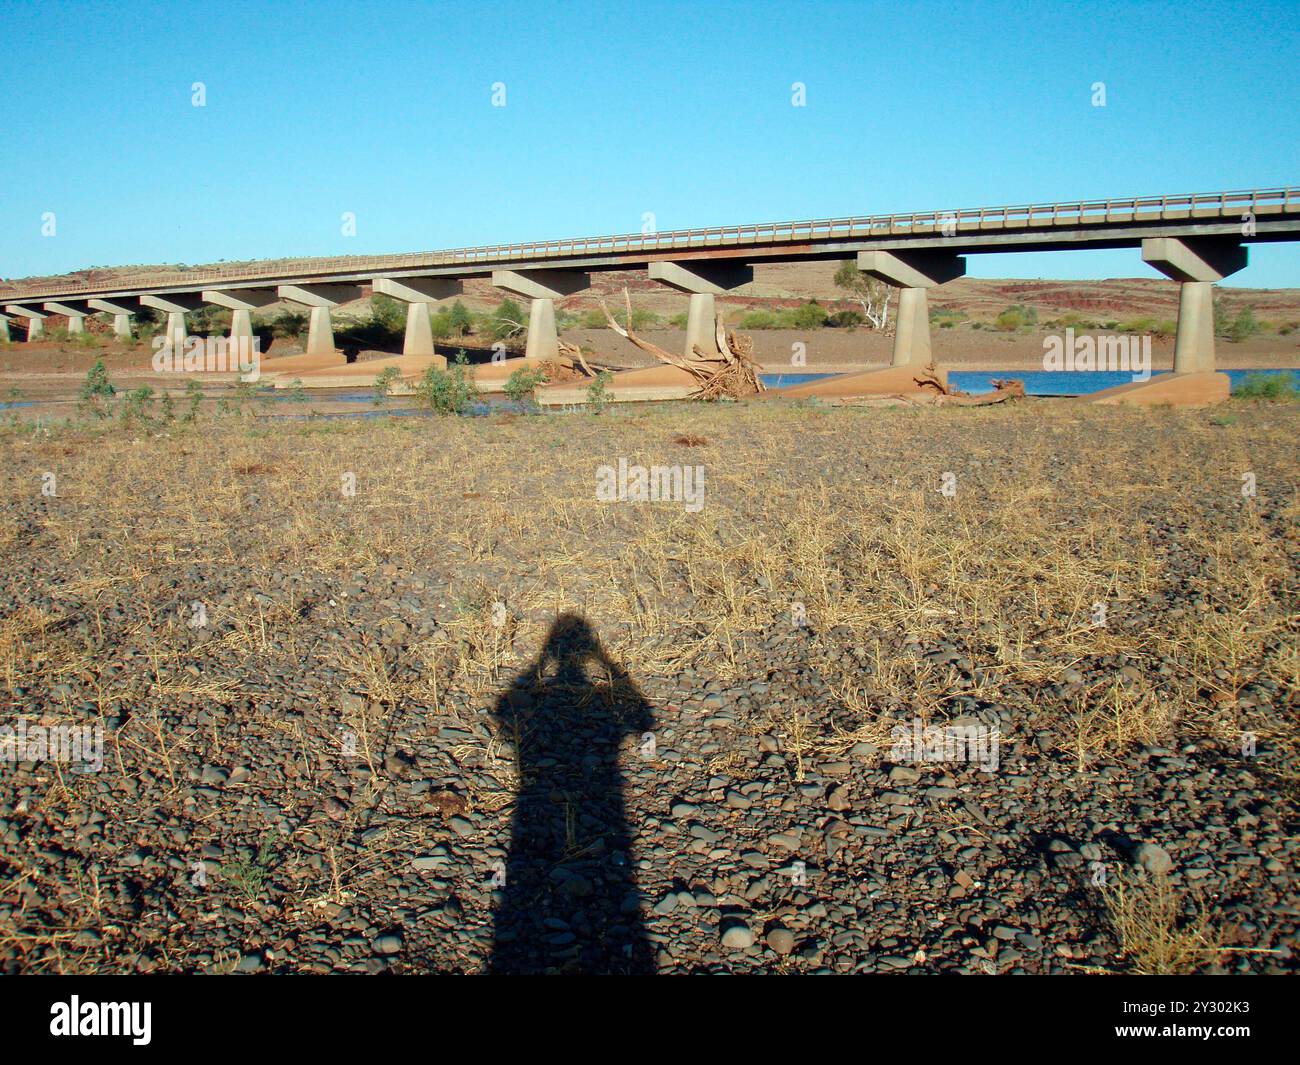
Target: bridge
x=1195 y=239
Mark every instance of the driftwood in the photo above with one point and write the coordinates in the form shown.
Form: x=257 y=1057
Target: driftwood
x=731 y=371
x=932 y=394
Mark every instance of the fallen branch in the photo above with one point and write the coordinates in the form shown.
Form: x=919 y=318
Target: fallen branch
x=730 y=371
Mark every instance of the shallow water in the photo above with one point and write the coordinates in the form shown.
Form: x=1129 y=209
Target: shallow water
x=1037 y=382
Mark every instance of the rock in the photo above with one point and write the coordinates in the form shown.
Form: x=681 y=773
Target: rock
x=388 y=944
x=1153 y=859
x=738 y=936
x=781 y=940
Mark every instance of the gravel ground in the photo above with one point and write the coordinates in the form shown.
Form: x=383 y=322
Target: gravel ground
x=407 y=695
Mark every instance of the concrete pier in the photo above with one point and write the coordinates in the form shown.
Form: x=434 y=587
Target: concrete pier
x=703 y=280
x=419 y=294
x=176 y=304
x=35 y=319
x=319 y=299
x=543 y=288
x=75 y=312
x=121 y=308
x=241 y=302
x=914 y=273
x=1196 y=263
x=4 y=329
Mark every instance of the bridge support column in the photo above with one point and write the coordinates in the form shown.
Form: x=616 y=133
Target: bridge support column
x=320 y=332
x=912 y=368
x=121 y=308
x=4 y=329
x=35 y=319
x=702 y=324
x=74 y=311
x=419 y=294
x=703 y=279
x=418 y=338
x=914 y=272
x=543 y=288
x=1196 y=263
x=241 y=325
x=175 y=304
x=241 y=302
x=176 y=331
x=320 y=298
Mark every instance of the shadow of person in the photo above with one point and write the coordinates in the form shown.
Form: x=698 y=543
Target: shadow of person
x=569 y=902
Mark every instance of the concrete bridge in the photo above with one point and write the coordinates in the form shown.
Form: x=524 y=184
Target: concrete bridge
x=1193 y=239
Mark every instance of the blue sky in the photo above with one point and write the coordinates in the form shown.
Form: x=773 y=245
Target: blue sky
x=614 y=110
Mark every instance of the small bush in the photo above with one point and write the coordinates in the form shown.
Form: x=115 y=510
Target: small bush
x=96 y=389
x=506 y=321
x=1243 y=326
x=288 y=324
x=845 y=320
x=138 y=406
x=758 y=319
x=598 y=392
x=194 y=393
x=448 y=391
x=812 y=315
x=1015 y=317
x=523 y=382
x=384 y=384
x=1268 y=386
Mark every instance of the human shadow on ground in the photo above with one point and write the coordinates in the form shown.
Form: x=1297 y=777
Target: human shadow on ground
x=569 y=902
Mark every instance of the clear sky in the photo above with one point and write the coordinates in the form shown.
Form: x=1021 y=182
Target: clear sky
x=614 y=110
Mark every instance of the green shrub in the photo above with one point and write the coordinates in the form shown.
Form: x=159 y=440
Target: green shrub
x=1139 y=326
x=1015 y=317
x=1268 y=386
x=448 y=391
x=523 y=382
x=459 y=321
x=138 y=406
x=1243 y=326
x=812 y=315
x=678 y=321
x=384 y=384
x=194 y=393
x=506 y=321
x=288 y=324
x=96 y=389
x=758 y=319
x=598 y=392
x=846 y=320
x=1009 y=321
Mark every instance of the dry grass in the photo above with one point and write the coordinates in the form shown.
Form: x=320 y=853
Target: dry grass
x=1155 y=933
x=825 y=561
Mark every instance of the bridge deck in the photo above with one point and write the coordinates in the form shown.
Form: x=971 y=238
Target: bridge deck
x=1085 y=223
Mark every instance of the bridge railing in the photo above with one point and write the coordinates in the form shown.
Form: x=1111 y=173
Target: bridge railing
x=1071 y=214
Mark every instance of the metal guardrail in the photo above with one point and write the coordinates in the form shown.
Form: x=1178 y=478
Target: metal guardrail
x=1071 y=214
